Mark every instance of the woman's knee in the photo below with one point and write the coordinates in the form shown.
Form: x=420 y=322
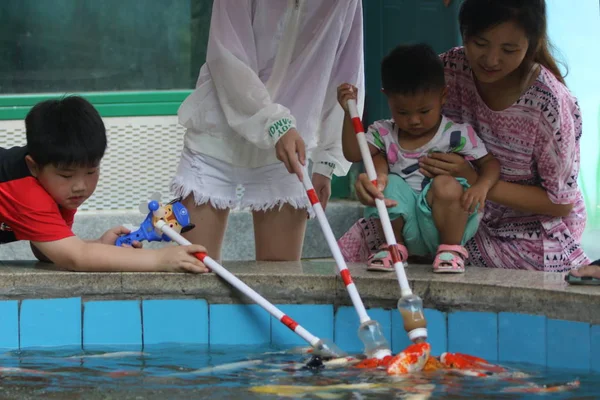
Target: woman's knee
x=446 y=188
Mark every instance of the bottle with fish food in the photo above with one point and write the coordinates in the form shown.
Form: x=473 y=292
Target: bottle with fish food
x=415 y=325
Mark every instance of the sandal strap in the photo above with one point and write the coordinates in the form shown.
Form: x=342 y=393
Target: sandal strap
x=455 y=248
x=385 y=248
x=403 y=251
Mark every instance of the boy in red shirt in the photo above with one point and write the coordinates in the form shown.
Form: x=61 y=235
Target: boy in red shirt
x=43 y=183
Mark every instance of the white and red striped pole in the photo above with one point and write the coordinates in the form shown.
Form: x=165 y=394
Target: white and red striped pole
x=376 y=345
x=390 y=238
x=335 y=249
x=323 y=347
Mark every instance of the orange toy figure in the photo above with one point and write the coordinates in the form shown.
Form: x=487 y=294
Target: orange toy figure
x=170 y=216
x=412 y=359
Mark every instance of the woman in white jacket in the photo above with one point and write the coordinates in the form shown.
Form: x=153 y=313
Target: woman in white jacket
x=265 y=102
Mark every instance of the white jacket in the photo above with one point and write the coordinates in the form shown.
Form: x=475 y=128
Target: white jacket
x=272 y=65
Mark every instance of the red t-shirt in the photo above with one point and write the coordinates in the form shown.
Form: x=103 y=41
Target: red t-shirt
x=27 y=211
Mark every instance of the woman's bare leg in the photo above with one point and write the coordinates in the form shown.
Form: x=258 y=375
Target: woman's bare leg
x=279 y=234
x=210 y=226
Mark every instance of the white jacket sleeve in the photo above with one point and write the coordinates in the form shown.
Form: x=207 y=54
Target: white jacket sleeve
x=328 y=158
x=232 y=62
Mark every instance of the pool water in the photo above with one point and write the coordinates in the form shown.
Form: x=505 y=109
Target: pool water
x=244 y=372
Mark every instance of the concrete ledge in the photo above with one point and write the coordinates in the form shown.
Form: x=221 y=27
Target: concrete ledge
x=315 y=281
x=239 y=237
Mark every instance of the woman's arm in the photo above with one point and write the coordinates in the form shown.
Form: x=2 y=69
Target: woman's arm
x=533 y=199
x=348 y=68
x=231 y=57
x=524 y=198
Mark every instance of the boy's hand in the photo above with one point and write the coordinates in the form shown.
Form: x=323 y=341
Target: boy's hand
x=367 y=192
x=180 y=259
x=473 y=197
x=346 y=92
x=110 y=237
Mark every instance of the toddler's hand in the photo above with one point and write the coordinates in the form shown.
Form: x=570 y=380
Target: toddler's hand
x=367 y=192
x=346 y=92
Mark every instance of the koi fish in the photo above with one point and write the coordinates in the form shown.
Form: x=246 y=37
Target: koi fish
x=117 y=354
x=17 y=370
x=223 y=367
x=299 y=390
x=556 y=388
x=327 y=364
x=412 y=359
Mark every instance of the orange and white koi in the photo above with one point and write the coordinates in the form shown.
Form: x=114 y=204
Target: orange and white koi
x=462 y=361
x=412 y=359
x=374 y=362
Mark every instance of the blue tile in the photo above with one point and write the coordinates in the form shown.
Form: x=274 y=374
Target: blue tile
x=522 y=338
x=112 y=323
x=347 y=323
x=568 y=345
x=9 y=324
x=436 y=331
x=474 y=333
x=595 y=348
x=315 y=318
x=232 y=324
x=175 y=321
x=50 y=322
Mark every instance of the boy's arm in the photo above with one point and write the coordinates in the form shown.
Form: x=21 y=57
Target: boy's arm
x=489 y=171
x=38 y=254
x=78 y=255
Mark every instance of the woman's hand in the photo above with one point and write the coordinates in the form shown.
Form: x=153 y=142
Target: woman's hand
x=291 y=151
x=447 y=164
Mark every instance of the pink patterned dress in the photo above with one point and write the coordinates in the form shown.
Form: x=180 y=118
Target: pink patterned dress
x=536 y=141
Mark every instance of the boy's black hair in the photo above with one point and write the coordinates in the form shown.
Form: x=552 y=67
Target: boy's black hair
x=411 y=69
x=65 y=132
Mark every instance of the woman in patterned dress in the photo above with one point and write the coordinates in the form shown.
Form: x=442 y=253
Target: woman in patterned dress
x=506 y=84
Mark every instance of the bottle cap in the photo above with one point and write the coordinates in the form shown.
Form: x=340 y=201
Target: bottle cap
x=417 y=333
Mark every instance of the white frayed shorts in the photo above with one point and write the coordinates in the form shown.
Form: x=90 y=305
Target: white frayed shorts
x=226 y=186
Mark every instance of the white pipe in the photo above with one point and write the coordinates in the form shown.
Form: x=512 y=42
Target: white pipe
x=241 y=286
x=381 y=208
x=335 y=249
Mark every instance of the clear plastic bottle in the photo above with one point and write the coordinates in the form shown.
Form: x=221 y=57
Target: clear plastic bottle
x=376 y=345
x=415 y=325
